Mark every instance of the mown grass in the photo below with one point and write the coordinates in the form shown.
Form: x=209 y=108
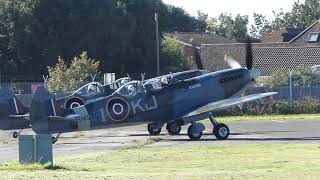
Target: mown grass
x=281 y=161
x=268 y=117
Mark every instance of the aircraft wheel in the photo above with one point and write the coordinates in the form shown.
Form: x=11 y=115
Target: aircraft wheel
x=173 y=128
x=54 y=140
x=221 y=131
x=153 y=129
x=15 y=135
x=194 y=132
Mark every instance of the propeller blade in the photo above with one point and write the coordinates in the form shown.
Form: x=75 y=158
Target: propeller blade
x=232 y=62
x=249 y=56
x=197 y=58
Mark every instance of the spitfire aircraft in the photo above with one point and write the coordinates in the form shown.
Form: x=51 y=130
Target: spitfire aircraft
x=155 y=102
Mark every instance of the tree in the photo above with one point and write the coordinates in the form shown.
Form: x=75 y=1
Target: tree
x=119 y=31
x=261 y=25
x=233 y=28
x=64 y=79
x=301 y=15
x=172 y=59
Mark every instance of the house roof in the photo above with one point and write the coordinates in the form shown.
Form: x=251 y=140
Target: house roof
x=199 y=38
x=275 y=36
x=303 y=32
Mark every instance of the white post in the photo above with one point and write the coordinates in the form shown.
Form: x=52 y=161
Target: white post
x=290 y=88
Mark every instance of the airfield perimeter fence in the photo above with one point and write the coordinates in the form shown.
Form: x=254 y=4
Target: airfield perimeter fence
x=297 y=88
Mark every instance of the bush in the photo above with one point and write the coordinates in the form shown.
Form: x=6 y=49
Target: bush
x=301 y=76
x=308 y=105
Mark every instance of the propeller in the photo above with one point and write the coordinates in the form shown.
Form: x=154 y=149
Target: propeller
x=234 y=64
x=197 y=57
x=249 y=57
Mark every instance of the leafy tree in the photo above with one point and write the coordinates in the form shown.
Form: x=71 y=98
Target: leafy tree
x=120 y=31
x=261 y=25
x=233 y=28
x=67 y=79
x=301 y=15
x=172 y=59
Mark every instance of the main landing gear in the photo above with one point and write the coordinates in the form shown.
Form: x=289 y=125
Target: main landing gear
x=195 y=131
x=55 y=139
x=154 y=129
x=17 y=133
x=173 y=128
x=220 y=130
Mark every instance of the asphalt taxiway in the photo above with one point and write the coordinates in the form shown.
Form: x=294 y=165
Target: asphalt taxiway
x=108 y=140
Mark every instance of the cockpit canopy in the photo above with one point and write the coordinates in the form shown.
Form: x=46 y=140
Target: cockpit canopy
x=90 y=89
x=131 y=89
x=140 y=87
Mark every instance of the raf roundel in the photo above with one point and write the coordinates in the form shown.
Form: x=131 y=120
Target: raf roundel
x=73 y=102
x=118 y=109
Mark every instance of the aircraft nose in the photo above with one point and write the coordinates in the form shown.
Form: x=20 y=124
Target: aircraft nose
x=254 y=73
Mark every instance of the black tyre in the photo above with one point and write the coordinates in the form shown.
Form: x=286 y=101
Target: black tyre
x=221 y=131
x=173 y=129
x=15 y=135
x=194 y=133
x=154 y=130
x=54 y=140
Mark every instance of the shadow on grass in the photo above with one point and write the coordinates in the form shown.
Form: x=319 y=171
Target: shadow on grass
x=15 y=166
x=53 y=167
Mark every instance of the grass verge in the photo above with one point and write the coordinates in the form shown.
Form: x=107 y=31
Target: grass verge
x=280 y=161
x=267 y=117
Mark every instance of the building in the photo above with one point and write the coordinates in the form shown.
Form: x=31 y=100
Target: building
x=196 y=39
x=283 y=50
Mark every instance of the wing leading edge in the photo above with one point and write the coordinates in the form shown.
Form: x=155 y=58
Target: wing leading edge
x=223 y=104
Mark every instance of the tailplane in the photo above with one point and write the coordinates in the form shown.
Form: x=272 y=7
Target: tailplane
x=13 y=114
x=10 y=104
x=44 y=105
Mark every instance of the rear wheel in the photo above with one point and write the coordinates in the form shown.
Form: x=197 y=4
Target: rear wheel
x=154 y=129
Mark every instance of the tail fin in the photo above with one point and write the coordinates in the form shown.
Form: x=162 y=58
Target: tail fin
x=44 y=105
x=10 y=104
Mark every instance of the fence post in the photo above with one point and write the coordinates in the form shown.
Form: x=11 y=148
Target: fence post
x=290 y=89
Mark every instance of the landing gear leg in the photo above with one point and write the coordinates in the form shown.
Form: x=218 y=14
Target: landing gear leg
x=173 y=128
x=220 y=130
x=17 y=133
x=55 y=139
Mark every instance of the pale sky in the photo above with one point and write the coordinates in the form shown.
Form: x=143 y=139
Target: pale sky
x=243 y=7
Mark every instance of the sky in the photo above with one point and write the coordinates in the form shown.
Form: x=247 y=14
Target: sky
x=243 y=7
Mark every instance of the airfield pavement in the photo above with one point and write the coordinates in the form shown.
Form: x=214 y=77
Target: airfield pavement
x=108 y=140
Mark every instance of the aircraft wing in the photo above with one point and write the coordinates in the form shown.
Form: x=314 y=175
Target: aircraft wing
x=73 y=118
x=26 y=116
x=223 y=104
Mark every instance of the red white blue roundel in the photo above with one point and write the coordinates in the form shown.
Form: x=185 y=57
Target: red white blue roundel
x=73 y=102
x=118 y=109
